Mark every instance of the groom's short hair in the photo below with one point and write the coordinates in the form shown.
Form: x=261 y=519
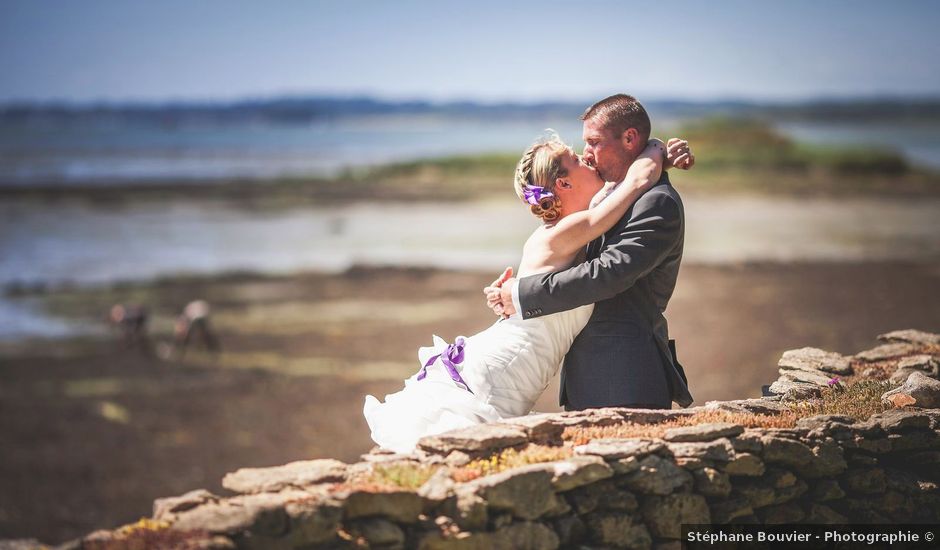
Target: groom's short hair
x=619 y=112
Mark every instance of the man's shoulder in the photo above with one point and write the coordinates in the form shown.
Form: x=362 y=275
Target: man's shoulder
x=661 y=198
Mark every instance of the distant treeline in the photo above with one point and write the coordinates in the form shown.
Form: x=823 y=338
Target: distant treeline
x=306 y=110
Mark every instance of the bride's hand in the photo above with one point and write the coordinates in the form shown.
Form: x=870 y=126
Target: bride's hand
x=679 y=155
x=493 y=294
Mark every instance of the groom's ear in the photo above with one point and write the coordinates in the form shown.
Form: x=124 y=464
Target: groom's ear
x=629 y=138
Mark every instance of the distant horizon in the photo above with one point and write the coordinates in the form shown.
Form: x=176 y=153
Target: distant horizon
x=395 y=99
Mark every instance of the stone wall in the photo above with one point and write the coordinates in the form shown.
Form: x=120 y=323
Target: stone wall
x=631 y=492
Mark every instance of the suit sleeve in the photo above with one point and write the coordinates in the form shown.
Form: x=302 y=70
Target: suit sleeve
x=640 y=244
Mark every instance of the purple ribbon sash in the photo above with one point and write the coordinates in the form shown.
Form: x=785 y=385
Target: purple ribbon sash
x=450 y=357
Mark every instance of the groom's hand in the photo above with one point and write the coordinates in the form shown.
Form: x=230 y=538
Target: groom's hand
x=499 y=298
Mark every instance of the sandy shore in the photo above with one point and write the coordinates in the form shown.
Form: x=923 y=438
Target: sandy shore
x=92 y=433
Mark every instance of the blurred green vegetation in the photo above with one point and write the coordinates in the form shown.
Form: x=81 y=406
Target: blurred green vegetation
x=732 y=154
x=723 y=143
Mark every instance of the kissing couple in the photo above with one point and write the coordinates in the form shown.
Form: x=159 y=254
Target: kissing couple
x=593 y=282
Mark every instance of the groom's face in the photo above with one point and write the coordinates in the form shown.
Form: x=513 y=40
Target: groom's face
x=605 y=151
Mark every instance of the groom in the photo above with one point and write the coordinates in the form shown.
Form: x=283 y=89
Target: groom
x=623 y=357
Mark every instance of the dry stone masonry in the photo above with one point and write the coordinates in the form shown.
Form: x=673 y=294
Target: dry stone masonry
x=613 y=490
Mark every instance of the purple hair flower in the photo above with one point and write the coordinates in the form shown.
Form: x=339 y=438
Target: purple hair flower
x=834 y=381
x=533 y=194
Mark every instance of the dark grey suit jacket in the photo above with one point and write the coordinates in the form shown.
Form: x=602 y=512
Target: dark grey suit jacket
x=623 y=357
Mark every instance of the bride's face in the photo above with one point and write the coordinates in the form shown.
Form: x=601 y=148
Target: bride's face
x=583 y=179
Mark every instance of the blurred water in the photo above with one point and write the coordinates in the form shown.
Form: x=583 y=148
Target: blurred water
x=103 y=151
x=98 y=153
x=76 y=243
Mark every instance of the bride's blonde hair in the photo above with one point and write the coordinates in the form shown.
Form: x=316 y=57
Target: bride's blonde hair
x=541 y=166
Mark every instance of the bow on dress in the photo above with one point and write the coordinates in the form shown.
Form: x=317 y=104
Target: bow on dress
x=450 y=357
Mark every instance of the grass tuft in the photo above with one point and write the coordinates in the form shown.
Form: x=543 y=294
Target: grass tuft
x=509 y=459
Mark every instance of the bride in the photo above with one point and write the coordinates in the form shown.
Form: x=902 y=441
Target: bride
x=500 y=372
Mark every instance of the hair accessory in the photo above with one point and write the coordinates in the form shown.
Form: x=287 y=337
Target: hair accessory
x=533 y=194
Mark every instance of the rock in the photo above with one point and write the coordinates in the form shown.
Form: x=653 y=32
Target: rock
x=399 y=506
x=22 y=544
x=899 y=420
x=824 y=422
x=926 y=364
x=525 y=535
x=724 y=511
x=261 y=514
x=828 y=461
x=664 y=515
x=911 y=336
x=457 y=541
x=925 y=459
x=165 y=508
x=887 y=351
x=826 y=489
x=867 y=481
x=691 y=463
x=919 y=390
x=376 y=531
x=785 y=451
x=757 y=492
x=539 y=428
x=570 y=529
x=626 y=465
x=313 y=521
x=779 y=479
x=821 y=514
x=657 y=476
x=579 y=470
x=559 y=507
x=794 y=391
x=745 y=464
x=712 y=483
x=612 y=449
x=748 y=442
x=912 y=441
x=618 y=500
x=906 y=482
x=816 y=378
x=703 y=432
x=790 y=492
x=815 y=360
x=457 y=458
x=438 y=487
x=719 y=450
x=474 y=439
x=586 y=499
x=783 y=513
x=296 y=474
x=878 y=446
x=618 y=530
x=526 y=491
x=862 y=460
x=754 y=406
x=469 y=510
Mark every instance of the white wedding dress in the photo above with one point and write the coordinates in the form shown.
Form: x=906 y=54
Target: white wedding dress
x=506 y=367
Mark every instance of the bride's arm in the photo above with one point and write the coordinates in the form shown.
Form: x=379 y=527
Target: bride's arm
x=579 y=228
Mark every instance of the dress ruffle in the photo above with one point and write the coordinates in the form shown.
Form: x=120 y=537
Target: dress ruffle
x=425 y=407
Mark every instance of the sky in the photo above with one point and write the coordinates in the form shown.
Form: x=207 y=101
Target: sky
x=131 y=50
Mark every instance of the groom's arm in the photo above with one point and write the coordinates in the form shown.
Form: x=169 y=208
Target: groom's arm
x=640 y=245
